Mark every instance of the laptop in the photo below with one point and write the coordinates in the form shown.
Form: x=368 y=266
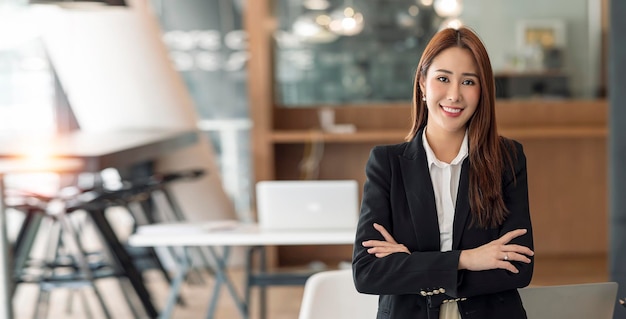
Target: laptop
x=307 y=204
x=581 y=301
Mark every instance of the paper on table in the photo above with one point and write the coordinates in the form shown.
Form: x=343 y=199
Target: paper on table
x=188 y=227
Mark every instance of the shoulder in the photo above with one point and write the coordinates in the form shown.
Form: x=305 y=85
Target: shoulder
x=513 y=154
x=389 y=149
x=513 y=148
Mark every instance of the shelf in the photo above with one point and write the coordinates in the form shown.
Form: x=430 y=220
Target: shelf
x=302 y=136
x=555 y=132
x=397 y=136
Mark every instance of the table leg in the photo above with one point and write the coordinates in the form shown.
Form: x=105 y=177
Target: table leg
x=177 y=281
x=221 y=277
x=6 y=280
x=124 y=261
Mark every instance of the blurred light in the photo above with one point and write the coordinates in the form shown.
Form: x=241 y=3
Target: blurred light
x=426 y=3
x=17 y=26
x=448 y=8
x=454 y=23
x=407 y=19
x=346 y=21
x=313 y=27
x=316 y=4
x=80 y=3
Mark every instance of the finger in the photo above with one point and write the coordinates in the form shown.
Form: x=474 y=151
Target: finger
x=388 y=250
x=518 y=249
x=385 y=233
x=383 y=249
x=508 y=266
x=517 y=257
x=511 y=235
x=372 y=243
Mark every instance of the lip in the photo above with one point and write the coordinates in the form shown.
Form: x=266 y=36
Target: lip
x=451 y=114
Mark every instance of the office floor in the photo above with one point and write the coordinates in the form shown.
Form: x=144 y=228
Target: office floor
x=283 y=302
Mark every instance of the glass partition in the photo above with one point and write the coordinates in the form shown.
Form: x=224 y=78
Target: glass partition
x=334 y=52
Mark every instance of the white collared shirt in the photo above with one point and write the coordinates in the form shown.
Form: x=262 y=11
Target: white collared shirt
x=445 y=178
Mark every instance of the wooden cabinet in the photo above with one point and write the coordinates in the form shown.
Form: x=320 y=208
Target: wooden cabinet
x=565 y=142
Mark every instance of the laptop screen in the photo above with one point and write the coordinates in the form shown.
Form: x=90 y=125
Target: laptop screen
x=308 y=204
x=581 y=301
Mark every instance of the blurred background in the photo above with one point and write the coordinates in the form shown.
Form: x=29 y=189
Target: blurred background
x=303 y=89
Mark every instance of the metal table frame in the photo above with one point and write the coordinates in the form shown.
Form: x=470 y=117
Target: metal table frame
x=95 y=151
x=181 y=235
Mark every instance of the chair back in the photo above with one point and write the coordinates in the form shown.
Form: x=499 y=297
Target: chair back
x=331 y=294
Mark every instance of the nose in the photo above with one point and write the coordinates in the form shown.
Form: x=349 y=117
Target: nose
x=454 y=93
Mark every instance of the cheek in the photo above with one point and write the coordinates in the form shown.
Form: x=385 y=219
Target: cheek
x=473 y=95
x=434 y=88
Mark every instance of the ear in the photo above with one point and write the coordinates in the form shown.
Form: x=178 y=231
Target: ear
x=422 y=87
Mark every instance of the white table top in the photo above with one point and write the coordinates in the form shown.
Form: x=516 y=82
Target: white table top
x=232 y=233
x=98 y=150
x=57 y=165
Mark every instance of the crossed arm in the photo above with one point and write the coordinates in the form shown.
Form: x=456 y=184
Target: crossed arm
x=497 y=254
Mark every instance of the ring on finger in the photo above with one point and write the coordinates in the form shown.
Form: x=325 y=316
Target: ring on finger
x=506 y=256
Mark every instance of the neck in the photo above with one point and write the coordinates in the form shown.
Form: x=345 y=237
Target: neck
x=445 y=145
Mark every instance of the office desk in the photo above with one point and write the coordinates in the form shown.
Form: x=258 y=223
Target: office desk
x=226 y=234
x=94 y=151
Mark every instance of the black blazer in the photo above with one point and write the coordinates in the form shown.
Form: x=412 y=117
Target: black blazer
x=398 y=194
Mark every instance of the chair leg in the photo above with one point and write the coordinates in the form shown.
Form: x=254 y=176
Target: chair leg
x=24 y=245
x=109 y=255
x=79 y=255
x=125 y=287
x=43 y=302
x=176 y=214
x=83 y=299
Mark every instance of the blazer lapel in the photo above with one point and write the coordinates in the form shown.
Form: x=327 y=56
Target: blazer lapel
x=462 y=209
x=420 y=195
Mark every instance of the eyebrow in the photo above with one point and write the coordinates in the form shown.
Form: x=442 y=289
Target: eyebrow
x=450 y=72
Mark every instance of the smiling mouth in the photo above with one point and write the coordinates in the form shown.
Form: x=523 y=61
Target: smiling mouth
x=451 y=109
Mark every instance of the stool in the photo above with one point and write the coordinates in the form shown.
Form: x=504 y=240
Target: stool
x=66 y=263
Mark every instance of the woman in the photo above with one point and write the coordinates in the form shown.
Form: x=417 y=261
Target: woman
x=445 y=229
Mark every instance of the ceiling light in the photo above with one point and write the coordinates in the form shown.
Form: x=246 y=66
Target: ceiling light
x=448 y=8
x=346 y=21
x=316 y=4
x=313 y=27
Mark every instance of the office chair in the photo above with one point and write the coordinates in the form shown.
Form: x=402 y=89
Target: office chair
x=331 y=294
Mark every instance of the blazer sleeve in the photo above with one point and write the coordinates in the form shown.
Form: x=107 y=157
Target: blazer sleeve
x=515 y=188
x=418 y=273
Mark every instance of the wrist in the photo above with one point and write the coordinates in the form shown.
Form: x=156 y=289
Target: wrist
x=462 y=260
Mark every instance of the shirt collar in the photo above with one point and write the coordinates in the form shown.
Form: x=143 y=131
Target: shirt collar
x=432 y=159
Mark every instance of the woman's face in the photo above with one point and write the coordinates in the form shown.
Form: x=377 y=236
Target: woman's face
x=452 y=90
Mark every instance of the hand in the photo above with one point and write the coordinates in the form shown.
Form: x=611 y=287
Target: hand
x=497 y=254
x=384 y=248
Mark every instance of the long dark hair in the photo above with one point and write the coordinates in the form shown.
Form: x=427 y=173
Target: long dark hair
x=486 y=148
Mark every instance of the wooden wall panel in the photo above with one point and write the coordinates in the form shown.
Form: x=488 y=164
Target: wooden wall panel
x=567 y=182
